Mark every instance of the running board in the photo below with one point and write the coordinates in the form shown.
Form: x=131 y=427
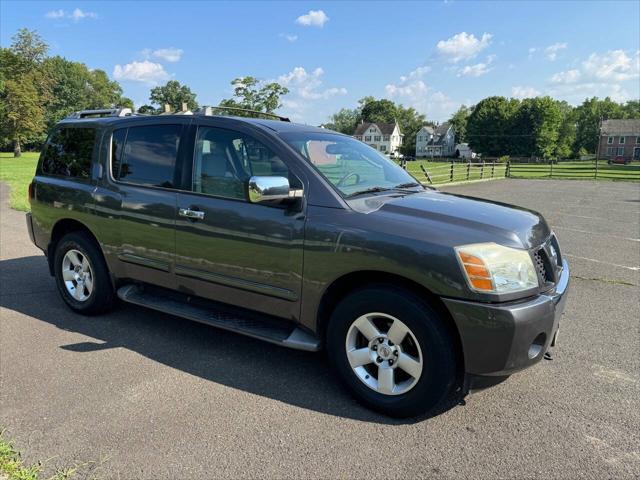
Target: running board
x=263 y=327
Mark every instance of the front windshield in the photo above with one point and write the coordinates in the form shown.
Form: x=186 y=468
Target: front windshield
x=350 y=165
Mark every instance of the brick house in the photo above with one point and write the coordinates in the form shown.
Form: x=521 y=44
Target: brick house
x=620 y=139
x=384 y=137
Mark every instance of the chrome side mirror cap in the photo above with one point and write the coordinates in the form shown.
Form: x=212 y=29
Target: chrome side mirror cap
x=267 y=189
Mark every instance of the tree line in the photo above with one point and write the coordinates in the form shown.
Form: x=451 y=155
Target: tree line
x=38 y=90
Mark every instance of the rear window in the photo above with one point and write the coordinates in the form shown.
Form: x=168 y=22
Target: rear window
x=68 y=152
x=146 y=155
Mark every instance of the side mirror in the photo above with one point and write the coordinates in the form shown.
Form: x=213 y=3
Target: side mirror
x=266 y=189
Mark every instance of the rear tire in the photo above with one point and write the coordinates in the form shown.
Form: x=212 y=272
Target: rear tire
x=376 y=376
x=82 y=276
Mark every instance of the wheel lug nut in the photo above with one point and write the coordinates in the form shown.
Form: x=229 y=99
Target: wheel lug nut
x=395 y=353
x=390 y=362
x=380 y=340
x=390 y=343
x=375 y=347
x=379 y=359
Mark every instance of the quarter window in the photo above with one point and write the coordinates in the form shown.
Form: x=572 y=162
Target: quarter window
x=146 y=155
x=68 y=152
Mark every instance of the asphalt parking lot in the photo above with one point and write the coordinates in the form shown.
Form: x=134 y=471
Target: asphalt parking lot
x=140 y=394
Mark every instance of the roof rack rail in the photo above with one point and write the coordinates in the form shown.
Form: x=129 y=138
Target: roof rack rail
x=103 y=112
x=209 y=111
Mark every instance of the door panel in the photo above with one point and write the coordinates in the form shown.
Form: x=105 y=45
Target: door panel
x=238 y=252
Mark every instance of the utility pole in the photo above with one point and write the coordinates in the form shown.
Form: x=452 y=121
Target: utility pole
x=598 y=150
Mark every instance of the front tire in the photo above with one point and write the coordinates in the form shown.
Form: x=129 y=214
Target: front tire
x=393 y=351
x=82 y=276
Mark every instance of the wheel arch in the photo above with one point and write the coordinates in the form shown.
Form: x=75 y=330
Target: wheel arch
x=353 y=281
x=60 y=229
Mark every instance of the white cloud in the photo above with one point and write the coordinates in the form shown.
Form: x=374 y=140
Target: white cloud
x=76 y=15
x=576 y=93
x=414 y=92
x=552 y=50
x=315 y=18
x=308 y=85
x=463 y=46
x=524 y=92
x=170 y=55
x=55 y=14
x=474 y=70
x=289 y=37
x=146 y=72
x=569 y=76
x=613 y=65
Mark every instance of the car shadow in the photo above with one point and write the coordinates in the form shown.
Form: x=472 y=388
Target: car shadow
x=298 y=378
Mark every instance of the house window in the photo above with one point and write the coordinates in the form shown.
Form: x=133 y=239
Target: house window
x=637 y=139
x=372 y=130
x=386 y=138
x=367 y=138
x=610 y=140
x=383 y=148
x=622 y=139
x=610 y=151
x=620 y=151
x=419 y=138
x=376 y=138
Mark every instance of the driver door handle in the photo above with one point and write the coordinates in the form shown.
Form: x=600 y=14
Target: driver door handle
x=191 y=214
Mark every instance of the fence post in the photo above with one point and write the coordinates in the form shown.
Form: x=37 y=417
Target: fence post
x=482 y=170
x=468 y=170
x=493 y=167
x=424 y=170
x=507 y=171
x=551 y=169
x=451 y=175
x=596 y=174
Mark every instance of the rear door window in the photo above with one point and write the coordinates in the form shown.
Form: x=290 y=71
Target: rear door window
x=68 y=152
x=146 y=155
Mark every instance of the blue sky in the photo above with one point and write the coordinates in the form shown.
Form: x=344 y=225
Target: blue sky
x=430 y=55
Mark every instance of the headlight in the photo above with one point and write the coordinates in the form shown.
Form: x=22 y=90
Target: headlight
x=493 y=268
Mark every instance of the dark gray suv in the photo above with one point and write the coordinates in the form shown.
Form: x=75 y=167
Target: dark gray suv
x=302 y=237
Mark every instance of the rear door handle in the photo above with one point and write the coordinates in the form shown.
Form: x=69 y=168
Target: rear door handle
x=192 y=214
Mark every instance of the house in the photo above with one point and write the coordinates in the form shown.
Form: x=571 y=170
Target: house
x=384 y=137
x=438 y=141
x=620 y=139
x=463 y=150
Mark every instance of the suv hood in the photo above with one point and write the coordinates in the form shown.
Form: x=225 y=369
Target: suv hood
x=492 y=221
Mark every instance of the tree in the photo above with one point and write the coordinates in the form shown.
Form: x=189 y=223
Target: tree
x=490 y=128
x=538 y=119
x=24 y=89
x=146 y=110
x=588 y=117
x=345 y=120
x=252 y=94
x=24 y=113
x=566 y=132
x=459 y=123
x=174 y=95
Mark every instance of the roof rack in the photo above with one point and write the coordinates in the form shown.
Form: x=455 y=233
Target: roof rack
x=209 y=111
x=104 y=112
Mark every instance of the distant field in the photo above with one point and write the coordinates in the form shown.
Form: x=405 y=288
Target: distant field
x=18 y=172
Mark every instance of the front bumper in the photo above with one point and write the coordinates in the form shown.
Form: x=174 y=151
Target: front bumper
x=500 y=339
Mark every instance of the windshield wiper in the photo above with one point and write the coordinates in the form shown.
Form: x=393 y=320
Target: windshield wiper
x=369 y=190
x=408 y=185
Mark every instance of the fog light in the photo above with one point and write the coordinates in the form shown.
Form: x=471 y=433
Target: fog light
x=538 y=344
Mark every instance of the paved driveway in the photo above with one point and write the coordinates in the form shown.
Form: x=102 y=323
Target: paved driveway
x=148 y=395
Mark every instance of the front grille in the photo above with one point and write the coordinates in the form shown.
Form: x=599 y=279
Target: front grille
x=542 y=265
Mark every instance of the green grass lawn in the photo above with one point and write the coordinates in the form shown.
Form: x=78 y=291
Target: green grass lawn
x=18 y=172
x=440 y=172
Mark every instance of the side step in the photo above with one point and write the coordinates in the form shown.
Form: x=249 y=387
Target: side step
x=256 y=325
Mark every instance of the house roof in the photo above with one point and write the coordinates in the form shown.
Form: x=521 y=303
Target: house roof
x=385 y=128
x=442 y=128
x=621 y=127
